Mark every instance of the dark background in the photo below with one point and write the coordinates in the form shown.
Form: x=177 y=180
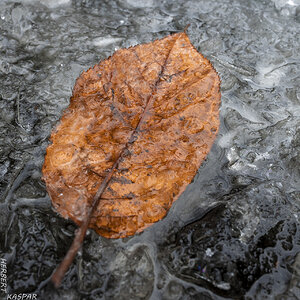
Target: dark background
x=235 y=231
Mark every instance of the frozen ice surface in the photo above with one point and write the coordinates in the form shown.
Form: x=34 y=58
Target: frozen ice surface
x=103 y=42
x=48 y=3
x=235 y=230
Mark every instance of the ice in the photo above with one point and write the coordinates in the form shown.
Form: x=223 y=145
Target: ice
x=234 y=232
x=226 y=140
x=282 y=3
x=105 y=41
x=246 y=111
x=141 y=3
x=269 y=75
x=48 y=3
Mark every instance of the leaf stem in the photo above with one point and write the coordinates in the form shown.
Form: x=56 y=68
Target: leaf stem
x=80 y=233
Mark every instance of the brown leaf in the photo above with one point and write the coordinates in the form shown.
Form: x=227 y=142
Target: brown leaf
x=138 y=127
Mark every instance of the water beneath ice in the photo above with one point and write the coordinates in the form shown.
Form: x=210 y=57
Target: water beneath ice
x=235 y=231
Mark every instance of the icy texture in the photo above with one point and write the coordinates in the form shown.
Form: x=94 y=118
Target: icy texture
x=247 y=242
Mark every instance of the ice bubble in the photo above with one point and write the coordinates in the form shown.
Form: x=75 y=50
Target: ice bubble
x=208 y=252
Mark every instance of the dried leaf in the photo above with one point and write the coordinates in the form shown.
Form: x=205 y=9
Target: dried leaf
x=138 y=127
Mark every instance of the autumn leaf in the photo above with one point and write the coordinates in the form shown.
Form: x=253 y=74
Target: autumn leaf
x=138 y=126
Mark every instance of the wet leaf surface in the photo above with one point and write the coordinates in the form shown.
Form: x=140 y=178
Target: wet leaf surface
x=143 y=120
